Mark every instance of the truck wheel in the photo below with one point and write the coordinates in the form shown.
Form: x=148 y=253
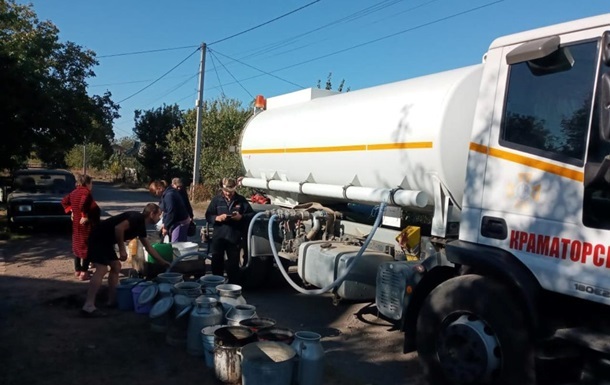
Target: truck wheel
x=470 y=330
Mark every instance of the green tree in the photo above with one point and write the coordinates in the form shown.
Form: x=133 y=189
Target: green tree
x=96 y=156
x=222 y=122
x=43 y=98
x=152 y=128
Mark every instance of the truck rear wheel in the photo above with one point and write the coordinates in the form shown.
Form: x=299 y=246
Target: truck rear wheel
x=470 y=330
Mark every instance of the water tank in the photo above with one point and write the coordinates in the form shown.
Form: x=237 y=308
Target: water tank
x=393 y=135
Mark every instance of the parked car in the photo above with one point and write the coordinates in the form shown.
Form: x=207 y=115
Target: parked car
x=35 y=197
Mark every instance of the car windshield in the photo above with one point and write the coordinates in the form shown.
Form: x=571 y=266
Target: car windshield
x=44 y=182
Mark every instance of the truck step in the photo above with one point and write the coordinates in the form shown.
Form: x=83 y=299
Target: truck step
x=585 y=337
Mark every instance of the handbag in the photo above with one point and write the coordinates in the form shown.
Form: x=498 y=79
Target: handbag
x=192 y=229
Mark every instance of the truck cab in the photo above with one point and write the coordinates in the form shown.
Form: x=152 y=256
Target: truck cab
x=533 y=239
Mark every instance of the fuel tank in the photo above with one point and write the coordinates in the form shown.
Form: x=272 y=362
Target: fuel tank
x=394 y=135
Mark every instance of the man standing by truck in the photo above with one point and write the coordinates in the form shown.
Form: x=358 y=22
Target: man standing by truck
x=227 y=212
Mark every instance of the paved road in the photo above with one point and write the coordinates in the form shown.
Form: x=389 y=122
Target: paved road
x=360 y=347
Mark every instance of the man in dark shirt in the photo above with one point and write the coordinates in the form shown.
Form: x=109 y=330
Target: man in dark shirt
x=227 y=212
x=113 y=231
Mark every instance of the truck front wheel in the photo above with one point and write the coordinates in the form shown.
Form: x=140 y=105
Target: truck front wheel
x=471 y=330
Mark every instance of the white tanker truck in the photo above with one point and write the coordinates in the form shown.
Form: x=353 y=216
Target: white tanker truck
x=511 y=160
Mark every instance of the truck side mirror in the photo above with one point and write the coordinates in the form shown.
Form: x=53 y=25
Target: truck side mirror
x=532 y=50
x=543 y=56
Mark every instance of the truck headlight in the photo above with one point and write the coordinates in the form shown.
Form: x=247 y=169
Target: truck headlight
x=24 y=208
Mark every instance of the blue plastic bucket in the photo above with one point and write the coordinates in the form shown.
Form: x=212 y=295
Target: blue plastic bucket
x=135 y=293
x=124 y=297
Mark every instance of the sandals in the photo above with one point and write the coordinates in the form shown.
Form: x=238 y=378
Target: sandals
x=92 y=314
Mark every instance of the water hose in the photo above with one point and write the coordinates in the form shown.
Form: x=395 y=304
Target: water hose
x=249 y=256
x=200 y=254
x=338 y=281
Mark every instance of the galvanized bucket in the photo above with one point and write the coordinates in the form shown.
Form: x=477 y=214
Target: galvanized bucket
x=267 y=362
x=228 y=341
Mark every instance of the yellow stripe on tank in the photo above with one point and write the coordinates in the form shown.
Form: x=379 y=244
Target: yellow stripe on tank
x=355 y=147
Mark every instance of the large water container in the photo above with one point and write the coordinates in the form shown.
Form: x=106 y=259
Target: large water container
x=269 y=363
x=311 y=358
x=205 y=313
x=396 y=134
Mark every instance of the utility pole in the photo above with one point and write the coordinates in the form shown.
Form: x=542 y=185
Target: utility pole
x=85 y=159
x=199 y=106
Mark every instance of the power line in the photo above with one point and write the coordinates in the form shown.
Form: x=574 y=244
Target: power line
x=390 y=35
x=217 y=41
x=147 y=51
x=349 y=18
x=174 y=88
x=259 y=70
x=162 y=76
x=234 y=78
x=216 y=71
x=132 y=82
x=376 y=40
x=265 y=23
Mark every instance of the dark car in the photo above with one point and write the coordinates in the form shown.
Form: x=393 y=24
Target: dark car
x=35 y=197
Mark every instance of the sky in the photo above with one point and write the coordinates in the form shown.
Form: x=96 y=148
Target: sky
x=273 y=47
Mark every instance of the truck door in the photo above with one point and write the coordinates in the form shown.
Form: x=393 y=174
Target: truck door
x=545 y=145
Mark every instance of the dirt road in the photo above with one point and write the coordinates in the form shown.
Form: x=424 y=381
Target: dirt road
x=44 y=341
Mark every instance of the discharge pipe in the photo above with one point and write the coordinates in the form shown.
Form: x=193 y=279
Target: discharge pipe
x=339 y=280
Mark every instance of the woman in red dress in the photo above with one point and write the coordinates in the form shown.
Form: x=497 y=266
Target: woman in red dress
x=85 y=215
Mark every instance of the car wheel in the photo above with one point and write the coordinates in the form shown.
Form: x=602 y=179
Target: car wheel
x=470 y=330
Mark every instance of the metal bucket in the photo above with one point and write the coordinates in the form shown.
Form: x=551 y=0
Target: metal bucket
x=276 y=334
x=207 y=337
x=228 y=341
x=190 y=289
x=240 y=312
x=170 y=277
x=266 y=362
x=256 y=323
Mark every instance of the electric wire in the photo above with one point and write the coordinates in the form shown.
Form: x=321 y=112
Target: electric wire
x=147 y=51
x=229 y=72
x=161 y=77
x=372 y=41
x=222 y=91
x=215 y=42
x=318 y=41
x=174 y=88
x=265 y=23
x=134 y=81
x=259 y=70
x=388 y=36
x=349 y=18
x=346 y=49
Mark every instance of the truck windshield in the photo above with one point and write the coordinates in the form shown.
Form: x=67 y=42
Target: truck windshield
x=548 y=114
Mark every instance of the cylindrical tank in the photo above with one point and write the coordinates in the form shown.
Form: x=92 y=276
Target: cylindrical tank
x=396 y=134
x=205 y=313
x=308 y=347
